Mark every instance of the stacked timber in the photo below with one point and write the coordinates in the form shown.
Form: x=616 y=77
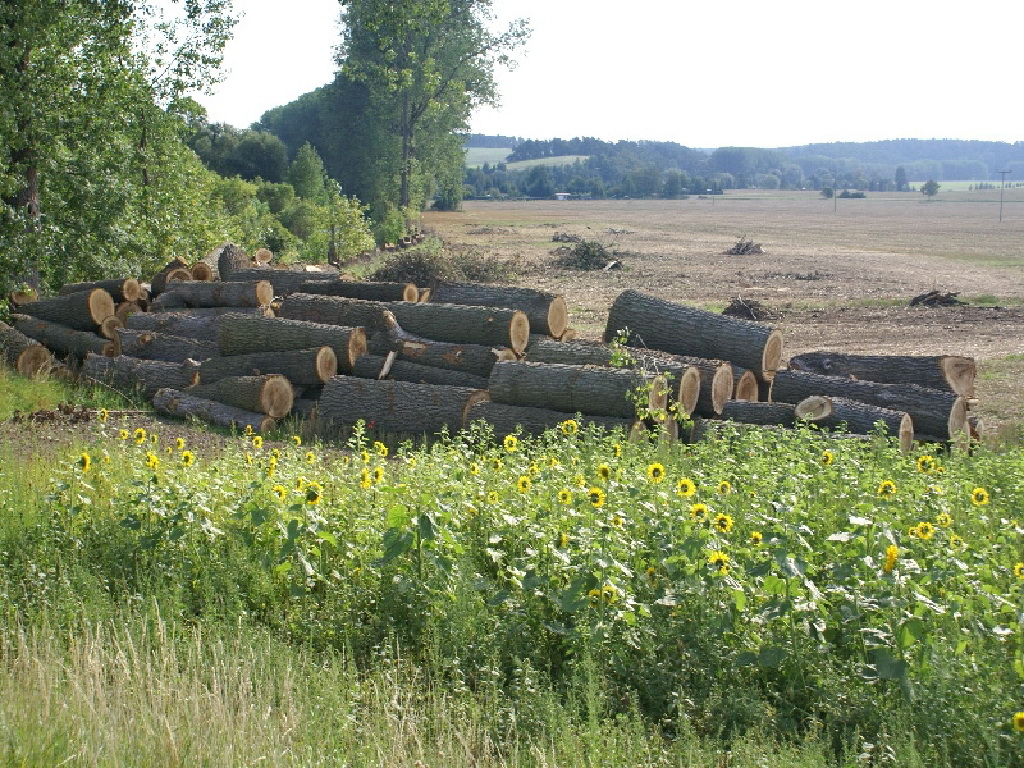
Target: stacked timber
x=27 y=356
x=271 y=394
x=360 y=290
x=257 y=293
x=376 y=367
x=547 y=312
x=128 y=289
x=80 y=311
x=230 y=260
x=175 y=270
x=245 y=334
x=154 y=345
x=951 y=373
x=284 y=281
x=131 y=376
x=306 y=368
x=64 y=341
x=184 y=405
x=190 y=323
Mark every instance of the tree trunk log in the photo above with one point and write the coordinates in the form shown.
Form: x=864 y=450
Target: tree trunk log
x=571 y=388
x=509 y=419
x=861 y=419
x=153 y=345
x=182 y=405
x=372 y=366
x=120 y=290
x=159 y=282
x=27 y=296
x=245 y=334
x=233 y=294
x=745 y=385
x=946 y=372
x=230 y=260
x=547 y=312
x=466 y=358
x=64 y=341
x=779 y=414
x=683 y=330
x=303 y=367
x=396 y=406
x=167 y=301
x=934 y=412
x=357 y=290
x=82 y=311
x=270 y=393
x=202 y=271
x=374 y=316
x=457 y=323
x=132 y=376
x=284 y=281
x=110 y=326
x=27 y=356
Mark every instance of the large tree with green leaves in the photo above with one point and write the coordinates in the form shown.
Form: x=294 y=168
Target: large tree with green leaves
x=425 y=64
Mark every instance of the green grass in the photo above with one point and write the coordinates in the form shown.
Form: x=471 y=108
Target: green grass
x=20 y=394
x=477 y=156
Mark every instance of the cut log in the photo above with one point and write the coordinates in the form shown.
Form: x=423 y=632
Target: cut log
x=263 y=256
x=779 y=414
x=230 y=260
x=547 y=312
x=303 y=367
x=862 y=419
x=167 y=301
x=23 y=297
x=120 y=290
x=934 y=412
x=510 y=419
x=396 y=406
x=203 y=327
x=83 y=311
x=184 y=405
x=682 y=330
x=745 y=385
x=284 y=281
x=948 y=372
x=245 y=334
x=359 y=290
x=571 y=388
x=373 y=367
x=271 y=393
x=153 y=345
x=110 y=326
x=374 y=316
x=234 y=294
x=64 y=341
x=133 y=376
x=466 y=358
x=27 y=356
x=159 y=282
x=202 y=271
x=126 y=309
x=458 y=323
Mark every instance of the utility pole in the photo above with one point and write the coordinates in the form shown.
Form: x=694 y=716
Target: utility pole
x=1002 y=186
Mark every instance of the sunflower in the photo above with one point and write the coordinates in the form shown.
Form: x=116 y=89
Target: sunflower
x=563 y=540
x=492 y=497
x=569 y=427
x=248 y=458
x=154 y=439
x=756 y=537
x=380 y=449
x=310 y=457
x=280 y=491
x=956 y=542
x=944 y=520
x=276 y=453
x=606 y=594
x=656 y=472
x=565 y=496
x=604 y=472
x=979 y=497
x=616 y=521
x=892 y=552
x=140 y=436
x=248 y=430
x=300 y=483
x=84 y=462
x=179 y=444
x=724 y=487
x=551 y=461
x=474 y=468
x=257 y=442
x=365 y=456
x=686 y=487
x=1018 y=722
x=314 y=492
x=720 y=560
x=123 y=434
x=699 y=512
x=297 y=440
x=152 y=460
x=926 y=464
x=411 y=461
x=913 y=532
x=887 y=489
x=103 y=415
x=925 y=530
x=533 y=470
x=617 y=450
x=378 y=475
x=1018 y=570
x=188 y=458
x=511 y=443
x=723 y=523
x=579 y=481
x=827 y=457
x=596 y=496
x=365 y=479
x=497 y=464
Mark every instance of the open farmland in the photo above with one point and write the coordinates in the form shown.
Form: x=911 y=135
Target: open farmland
x=840 y=275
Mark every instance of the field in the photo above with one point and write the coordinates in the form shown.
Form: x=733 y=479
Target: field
x=477 y=156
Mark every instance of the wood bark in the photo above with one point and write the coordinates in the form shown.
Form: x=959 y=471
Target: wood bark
x=271 y=393
x=154 y=345
x=862 y=419
x=234 y=294
x=126 y=309
x=947 y=372
x=159 y=282
x=132 y=376
x=779 y=414
x=184 y=405
x=309 y=367
x=396 y=406
x=683 y=330
x=167 y=301
x=374 y=316
x=27 y=296
x=373 y=366
x=110 y=326
x=128 y=289
x=547 y=312
x=358 y=290
x=571 y=388
x=457 y=323
x=284 y=281
x=934 y=412
x=466 y=358
x=510 y=419
x=27 y=356
x=230 y=260
x=244 y=334
x=64 y=341
x=82 y=311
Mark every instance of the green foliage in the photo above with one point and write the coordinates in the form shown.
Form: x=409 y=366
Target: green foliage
x=585 y=255
x=930 y=188
x=433 y=261
x=307 y=175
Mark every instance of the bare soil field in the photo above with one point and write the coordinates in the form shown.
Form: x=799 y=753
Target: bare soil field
x=838 y=275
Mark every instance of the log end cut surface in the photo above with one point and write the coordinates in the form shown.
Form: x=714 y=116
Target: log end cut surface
x=772 y=355
x=277 y=397
x=558 y=317
x=519 y=332
x=34 y=359
x=101 y=305
x=960 y=373
x=689 y=390
x=746 y=388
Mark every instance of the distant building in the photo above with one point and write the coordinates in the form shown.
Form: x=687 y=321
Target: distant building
x=563 y=195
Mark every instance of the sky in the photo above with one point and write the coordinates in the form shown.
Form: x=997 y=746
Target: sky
x=709 y=74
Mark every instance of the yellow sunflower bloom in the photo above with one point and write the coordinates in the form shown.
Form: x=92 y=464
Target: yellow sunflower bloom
x=604 y=472
x=979 y=497
x=944 y=520
x=723 y=523
x=511 y=443
x=892 y=552
x=140 y=435
x=1018 y=570
x=257 y=442
x=827 y=457
x=380 y=449
x=523 y=485
x=1018 y=722
x=297 y=440
x=152 y=460
x=656 y=472
x=887 y=489
x=280 y=491
x=756 y=537
x=926 y=464
x=84 y=462
x=569 y=427
x=699 y=512
x=616 y=450
x=925 y=530
x=596 y=496
x=565 y=496
x=378 y=475
x=686 y=487
x=720 y=560
x=188 y=458
x=724 y=487
x=179 y=444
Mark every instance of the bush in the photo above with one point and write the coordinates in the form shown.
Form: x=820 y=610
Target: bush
x=433 y=261
x=586 y=254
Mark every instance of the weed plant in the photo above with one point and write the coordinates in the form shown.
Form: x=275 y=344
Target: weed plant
x=434 y=260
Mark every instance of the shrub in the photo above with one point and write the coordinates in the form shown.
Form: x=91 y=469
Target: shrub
x=434 y=260
x=586 y=254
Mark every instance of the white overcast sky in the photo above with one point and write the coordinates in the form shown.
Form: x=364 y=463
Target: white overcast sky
x=709 y=74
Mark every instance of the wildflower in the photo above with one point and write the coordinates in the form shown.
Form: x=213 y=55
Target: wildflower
x=723 y=523
x=579 y=481
x=511 y=443
x=656 y=472
x=104 y=414
x=300 y=483
x=913 y=532
x=179 y=444
x=474 y=468
x=297 y=440
x=1018 y=570
x=106 y=457
x=152 y=460
x=276 y=453
x=1018 y=722
x=551 y=461
x=979 y=497
x=565 y=496
x=492 y=497
x=925 y=530
x=935 y=489
x=720 y=560
x=827 y=457
x=569 y=427
x=596 y=496
x=887 y=489
x=699 y=512
x=380 y=449
x=616 y=521
x=604 y=472
x=314 y=492
x=188 y=458
x=123 y=434
x=248 y=430
x=724 y=487
x=411 y=461
x=944 y=520
x=616 y=450
x=378 y=475
x=279 y=491
x=310 y=457
x=140 y=436
x=524 y=483
x=650 y=573
x=686 y=487
x=365 y=456
x=956 y=542
x=154 y=439
x=169 y=450
x=756 y=537
x=365 y=479
x=563 y=540
x=606 y=594
x=248 y=458
x=84 y=462
x=926 y=464
x=892 y=552
x=257 y=442
x=533 y=470
x=497 y=464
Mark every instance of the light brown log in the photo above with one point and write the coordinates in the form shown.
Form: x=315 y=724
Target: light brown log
x=547 y=312
x=233 y=294
x=682 y=330
x=362 y=290
x=947 y=372
x=184 y=405
x=745 y=385
x=570 y=388
x=64 y=341
x=122 y=289
x=934 y=412
x=213 y=312
x=83 y=311
x=27 y=356
x=125 y=309
x=109 y=327
x=202 y=271
x=303 y=367
x=23 y=297
x=153 y=345
x=271 y=394
x=284 y=281
x=159 y=282
x=396 y=406
x=263 y=256
x=244 y=334
x=373 y=367
x=510 y=419
x=230 y=260
x=467 y=358
x=133 y=376
x=779 y=414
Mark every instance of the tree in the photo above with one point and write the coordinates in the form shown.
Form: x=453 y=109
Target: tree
x=425 y=64
x=930 y=188
x=901 y=179
x=307 y=175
